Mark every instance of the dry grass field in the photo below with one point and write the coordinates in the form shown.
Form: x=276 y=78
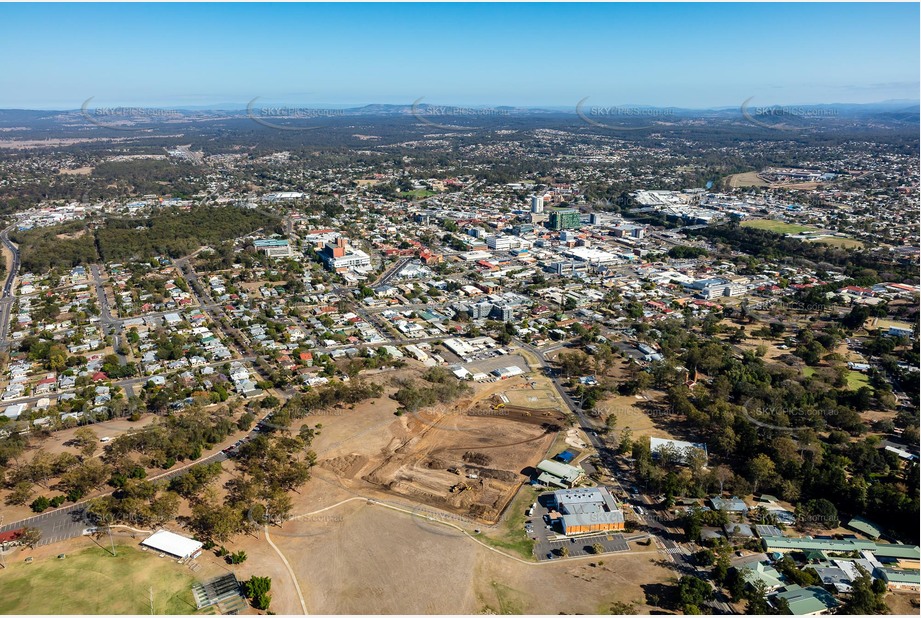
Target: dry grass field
x=747 y=179
x=376 y=560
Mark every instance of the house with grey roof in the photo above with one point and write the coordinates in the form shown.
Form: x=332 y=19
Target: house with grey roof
x=730 y=505
x=762 y=572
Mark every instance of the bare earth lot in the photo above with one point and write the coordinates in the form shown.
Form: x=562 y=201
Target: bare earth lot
x=374 y=560
x=467 y=458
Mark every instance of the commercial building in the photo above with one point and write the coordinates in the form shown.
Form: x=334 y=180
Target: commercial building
x=558 y=474
x=629 y=230
x=282 y=196
x=682 y=449
x=172 y=544
x=585 y=510
x=273 y=247
x=713 y=288
x=522 y=229
x=459 y=347
x=506 y=243
x=590 y=254
x=339 y=256
x=566 y=219
x=884 y=552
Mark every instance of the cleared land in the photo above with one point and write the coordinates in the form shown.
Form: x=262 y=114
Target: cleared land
x=780 y=227
x=92 y=581
x=643 y=417
x=844 y=243
x=470 y=463
x=468 y=457
x=747 y=179
x=79 y=171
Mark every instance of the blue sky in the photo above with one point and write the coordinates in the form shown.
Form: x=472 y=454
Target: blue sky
x=684 y=55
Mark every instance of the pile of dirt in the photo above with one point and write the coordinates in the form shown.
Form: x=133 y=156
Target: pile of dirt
x=506 y=476
x=480 y=459
x=347 y=466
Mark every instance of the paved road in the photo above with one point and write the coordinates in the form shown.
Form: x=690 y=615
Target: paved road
x=8 y=298
x=392 y=271
x=662 y=528
x=110 y=325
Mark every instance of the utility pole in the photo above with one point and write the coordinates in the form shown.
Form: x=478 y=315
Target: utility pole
x=151 y=601
x=111 y=542
x=2 y=547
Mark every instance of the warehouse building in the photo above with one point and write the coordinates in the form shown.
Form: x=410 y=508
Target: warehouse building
x=504 y=373
x=588 y=509
x=558 y=474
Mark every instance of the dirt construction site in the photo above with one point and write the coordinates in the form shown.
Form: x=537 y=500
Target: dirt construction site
x=468 y=458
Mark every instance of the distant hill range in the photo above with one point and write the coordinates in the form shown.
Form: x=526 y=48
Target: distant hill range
x=751 y=112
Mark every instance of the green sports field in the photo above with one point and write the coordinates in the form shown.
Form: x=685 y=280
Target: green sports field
x=92 y=581
x=418 y=193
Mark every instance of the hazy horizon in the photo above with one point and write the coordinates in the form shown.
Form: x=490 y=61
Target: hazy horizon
x=234 y=106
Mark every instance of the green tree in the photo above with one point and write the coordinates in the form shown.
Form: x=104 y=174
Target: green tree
x=237 y=558
x=40 y=504
x=865 y=598
x=817 y=513
x=693 y=592
x=761 y=468
x=257 y=591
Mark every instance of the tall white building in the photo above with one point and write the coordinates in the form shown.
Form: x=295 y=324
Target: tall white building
x=506 y=243
x=537 y=204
